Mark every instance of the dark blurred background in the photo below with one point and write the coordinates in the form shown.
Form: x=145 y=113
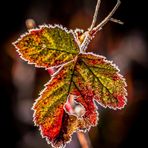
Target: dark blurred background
x=20 y=83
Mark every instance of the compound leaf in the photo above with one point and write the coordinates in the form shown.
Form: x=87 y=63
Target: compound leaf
x=88 y=77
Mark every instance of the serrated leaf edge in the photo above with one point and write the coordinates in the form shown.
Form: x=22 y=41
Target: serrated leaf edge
x=37 y=29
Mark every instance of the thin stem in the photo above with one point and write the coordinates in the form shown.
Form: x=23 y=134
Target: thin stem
x=84 y=140
x=93 y=30
x=108 y=18
x=95 y=15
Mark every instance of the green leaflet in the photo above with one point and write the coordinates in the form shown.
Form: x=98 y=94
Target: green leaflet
x=48 y=46
x=101 y=76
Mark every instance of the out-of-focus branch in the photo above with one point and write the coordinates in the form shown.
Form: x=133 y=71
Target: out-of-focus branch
x=84 y=140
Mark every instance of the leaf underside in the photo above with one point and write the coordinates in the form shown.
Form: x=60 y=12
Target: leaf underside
x=89 y=77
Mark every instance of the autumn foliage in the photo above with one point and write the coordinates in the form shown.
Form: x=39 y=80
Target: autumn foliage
x=90 y=78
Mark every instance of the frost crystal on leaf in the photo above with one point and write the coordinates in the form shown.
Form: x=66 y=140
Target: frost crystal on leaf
x=79 y=79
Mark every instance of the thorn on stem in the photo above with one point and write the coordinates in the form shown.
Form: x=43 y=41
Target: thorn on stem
x=117 y=21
